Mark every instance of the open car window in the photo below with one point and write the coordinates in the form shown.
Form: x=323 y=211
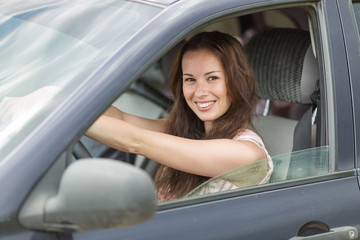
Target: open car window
x=294 y=130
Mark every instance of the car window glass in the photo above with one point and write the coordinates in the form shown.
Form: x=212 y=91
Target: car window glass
x=288 y=166
x=48 y=56
x=245 y=176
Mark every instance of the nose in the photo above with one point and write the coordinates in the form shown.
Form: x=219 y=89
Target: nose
x=201 y=89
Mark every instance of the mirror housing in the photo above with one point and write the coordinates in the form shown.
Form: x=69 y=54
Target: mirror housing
x=94 y=194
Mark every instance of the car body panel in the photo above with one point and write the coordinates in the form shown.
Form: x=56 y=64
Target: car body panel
x=274 y=214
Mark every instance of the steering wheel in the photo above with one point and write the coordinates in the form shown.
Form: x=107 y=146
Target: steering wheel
x=80 y=151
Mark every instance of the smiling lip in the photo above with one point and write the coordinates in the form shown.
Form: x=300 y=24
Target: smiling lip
x=204 y=106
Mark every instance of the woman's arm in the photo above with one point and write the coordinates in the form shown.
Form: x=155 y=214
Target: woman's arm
x=201 y=157
x=158 y=125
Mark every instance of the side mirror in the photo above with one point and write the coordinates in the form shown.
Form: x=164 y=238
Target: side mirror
x=96 y=194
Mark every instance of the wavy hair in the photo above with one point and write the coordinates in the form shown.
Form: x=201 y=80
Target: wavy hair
x=183 y=122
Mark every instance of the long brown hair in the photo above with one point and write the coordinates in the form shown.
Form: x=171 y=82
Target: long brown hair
x=183 y=122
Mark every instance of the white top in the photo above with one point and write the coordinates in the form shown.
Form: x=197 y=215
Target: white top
x=252 y=174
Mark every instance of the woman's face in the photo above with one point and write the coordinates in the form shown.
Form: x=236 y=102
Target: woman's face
x=204 y=85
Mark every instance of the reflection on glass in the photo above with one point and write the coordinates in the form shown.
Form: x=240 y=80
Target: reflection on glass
x=244 y=176
x=288 y=166
x=49 y=49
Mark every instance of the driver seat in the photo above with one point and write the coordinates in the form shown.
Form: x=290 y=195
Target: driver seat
x=285 y=69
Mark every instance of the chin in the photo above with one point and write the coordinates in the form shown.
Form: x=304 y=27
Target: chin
x=207 y=119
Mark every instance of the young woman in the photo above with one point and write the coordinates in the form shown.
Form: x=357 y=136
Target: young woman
x=206 y=132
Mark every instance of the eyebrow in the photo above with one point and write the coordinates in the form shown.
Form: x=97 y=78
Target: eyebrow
x=208 y=73
x=212 y=72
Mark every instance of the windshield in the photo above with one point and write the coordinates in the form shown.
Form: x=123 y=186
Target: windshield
x=49 y=48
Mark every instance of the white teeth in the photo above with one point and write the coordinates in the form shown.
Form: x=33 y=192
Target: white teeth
x=202 y=105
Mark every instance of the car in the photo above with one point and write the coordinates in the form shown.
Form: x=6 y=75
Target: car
x=65 y=62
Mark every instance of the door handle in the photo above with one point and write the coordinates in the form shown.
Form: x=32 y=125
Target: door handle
x=343 y=233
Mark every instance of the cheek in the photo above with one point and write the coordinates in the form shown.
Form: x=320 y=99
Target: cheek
x=226 y=97
x=222 y=92
x=187 y=92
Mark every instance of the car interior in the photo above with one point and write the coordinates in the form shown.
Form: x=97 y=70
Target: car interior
x=281 y=47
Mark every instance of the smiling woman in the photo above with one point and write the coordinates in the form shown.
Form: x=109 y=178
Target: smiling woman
x=204 y=86
x=206 y=132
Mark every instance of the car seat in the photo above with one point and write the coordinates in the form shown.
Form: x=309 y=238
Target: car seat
x=285 y=69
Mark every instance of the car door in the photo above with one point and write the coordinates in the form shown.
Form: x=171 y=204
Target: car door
x=278 y=210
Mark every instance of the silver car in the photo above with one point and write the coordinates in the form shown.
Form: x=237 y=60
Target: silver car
x=63 y=63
